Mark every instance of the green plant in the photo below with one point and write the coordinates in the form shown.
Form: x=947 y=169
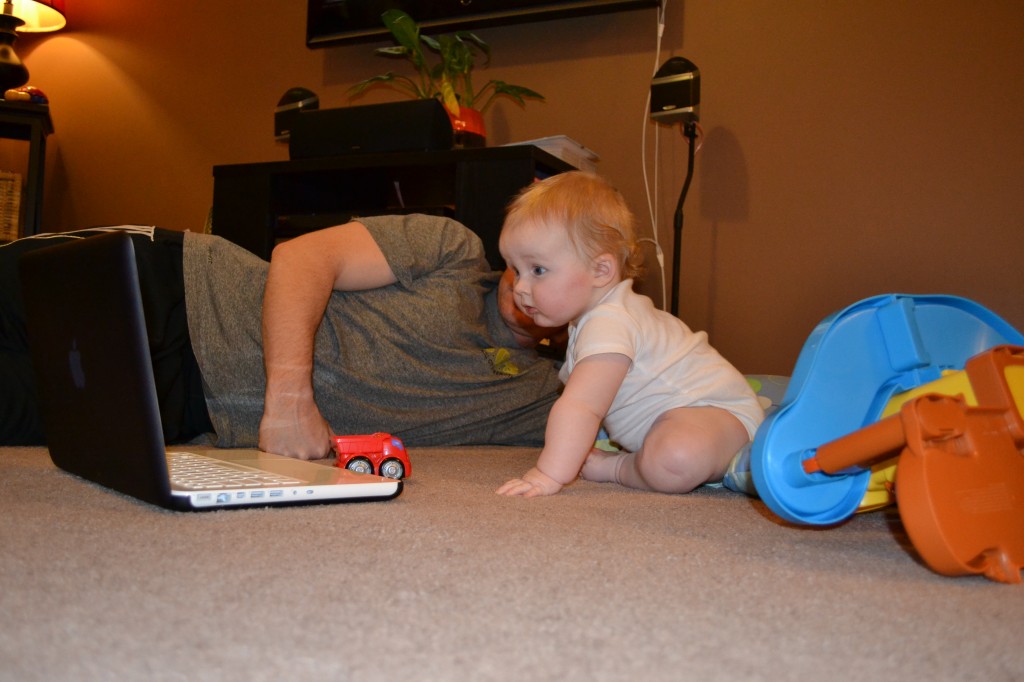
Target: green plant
x=450 y=78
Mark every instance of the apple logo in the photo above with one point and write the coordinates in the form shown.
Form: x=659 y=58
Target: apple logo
x=75 y=363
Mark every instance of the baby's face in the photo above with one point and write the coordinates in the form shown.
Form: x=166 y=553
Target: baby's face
x=554 y=284
x=527 y=332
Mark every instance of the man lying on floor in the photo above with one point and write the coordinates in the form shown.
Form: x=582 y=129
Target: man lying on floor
x=393 y=323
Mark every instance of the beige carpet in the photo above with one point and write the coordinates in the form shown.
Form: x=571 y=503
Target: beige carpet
x=450 y=582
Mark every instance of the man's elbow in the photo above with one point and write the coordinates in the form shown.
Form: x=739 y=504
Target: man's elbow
x=285 y=251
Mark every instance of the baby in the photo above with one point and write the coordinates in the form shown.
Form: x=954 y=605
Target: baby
x=678 y=409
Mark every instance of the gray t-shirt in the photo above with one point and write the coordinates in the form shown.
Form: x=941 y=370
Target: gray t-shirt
x=427 y=359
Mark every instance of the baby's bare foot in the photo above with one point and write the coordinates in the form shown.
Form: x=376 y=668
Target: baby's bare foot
x=601 y=466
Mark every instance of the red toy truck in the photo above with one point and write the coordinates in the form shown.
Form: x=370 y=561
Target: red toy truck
x=379 y=453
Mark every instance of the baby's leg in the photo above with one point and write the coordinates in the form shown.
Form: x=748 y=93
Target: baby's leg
x=602 y=466
x=685 y=448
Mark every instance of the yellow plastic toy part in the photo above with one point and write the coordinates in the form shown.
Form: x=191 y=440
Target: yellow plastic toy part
x=881 y=490
x=882 y=484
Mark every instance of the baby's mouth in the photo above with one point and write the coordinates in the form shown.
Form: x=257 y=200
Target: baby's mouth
x=529 y=310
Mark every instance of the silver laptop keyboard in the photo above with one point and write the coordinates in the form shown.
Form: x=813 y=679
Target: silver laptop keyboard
x=195 y=472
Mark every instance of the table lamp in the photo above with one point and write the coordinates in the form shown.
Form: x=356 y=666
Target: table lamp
x=26 y=16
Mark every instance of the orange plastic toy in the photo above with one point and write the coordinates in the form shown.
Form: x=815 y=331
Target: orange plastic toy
x=960 y=476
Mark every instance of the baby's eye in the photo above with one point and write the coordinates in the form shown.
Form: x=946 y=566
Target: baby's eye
x=538 y=270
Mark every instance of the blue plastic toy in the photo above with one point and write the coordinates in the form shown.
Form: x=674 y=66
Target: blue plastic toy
x=852 y=364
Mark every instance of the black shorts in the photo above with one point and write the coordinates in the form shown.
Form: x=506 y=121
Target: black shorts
x=158 y=254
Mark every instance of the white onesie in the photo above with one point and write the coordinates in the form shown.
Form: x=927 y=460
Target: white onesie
x=672 y=366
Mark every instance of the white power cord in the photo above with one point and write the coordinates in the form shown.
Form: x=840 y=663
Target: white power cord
x=652 y=203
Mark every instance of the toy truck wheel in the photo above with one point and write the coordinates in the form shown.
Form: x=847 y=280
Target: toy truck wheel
x=360 y=465
x=392 y=468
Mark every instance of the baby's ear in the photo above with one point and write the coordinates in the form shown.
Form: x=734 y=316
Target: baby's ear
x=606 y=269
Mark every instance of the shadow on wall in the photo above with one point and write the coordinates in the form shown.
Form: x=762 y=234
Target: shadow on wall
x=724 y=180
x=724 y=198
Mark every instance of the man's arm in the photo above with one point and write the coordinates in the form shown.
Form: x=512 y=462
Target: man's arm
x=303 y=273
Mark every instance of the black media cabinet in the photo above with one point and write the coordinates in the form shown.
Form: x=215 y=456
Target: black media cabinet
x=256 y=205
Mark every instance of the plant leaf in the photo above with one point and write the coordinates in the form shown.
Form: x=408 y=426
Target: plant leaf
x=516 y=91
x=392 y=51
x=497 y=88
x=450 y=79
x=431 y=43
x=406 y=34
x=473 y=38
x=389 y=78
x=448 y=96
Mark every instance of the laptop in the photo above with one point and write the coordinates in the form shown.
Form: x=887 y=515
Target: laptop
x=87 y=333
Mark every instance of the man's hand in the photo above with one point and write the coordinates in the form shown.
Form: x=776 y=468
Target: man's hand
x=534 y=483
x=294 y=427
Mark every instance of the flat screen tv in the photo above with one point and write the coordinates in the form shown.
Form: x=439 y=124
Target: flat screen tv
x=334 y=22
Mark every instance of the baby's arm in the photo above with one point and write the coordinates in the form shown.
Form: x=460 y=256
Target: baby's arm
x=572 y=425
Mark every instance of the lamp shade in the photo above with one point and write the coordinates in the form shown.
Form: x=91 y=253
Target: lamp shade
x=39 y=15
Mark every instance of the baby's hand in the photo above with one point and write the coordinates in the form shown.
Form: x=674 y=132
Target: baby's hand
x=534 y=483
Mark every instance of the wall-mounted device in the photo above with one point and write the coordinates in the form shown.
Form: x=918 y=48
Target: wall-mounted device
x=675 y=98
x=675 y=92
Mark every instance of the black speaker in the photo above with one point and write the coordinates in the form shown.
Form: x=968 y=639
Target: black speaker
x=675 y=92
x=415 y=125
x=288 y=108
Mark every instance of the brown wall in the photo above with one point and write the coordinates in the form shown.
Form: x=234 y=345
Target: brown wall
x=850 y=148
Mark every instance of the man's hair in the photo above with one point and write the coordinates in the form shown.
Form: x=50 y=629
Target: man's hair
x=593 y=213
